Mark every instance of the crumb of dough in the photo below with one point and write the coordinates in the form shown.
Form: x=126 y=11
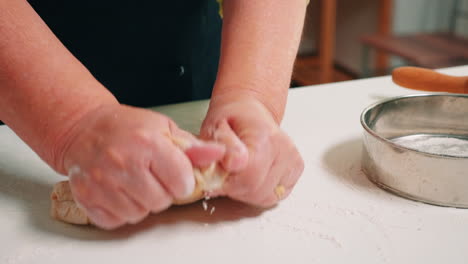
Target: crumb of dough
x=279 y=191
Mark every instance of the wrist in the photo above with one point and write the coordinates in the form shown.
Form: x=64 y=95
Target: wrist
x=59 y=137
x=274 y=103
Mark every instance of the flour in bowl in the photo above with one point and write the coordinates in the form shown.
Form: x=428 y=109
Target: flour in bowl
x=435 y=144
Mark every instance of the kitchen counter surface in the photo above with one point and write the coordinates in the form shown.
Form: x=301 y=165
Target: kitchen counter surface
x=334 y=215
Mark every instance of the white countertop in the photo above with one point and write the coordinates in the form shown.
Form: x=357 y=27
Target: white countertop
x=335 y=215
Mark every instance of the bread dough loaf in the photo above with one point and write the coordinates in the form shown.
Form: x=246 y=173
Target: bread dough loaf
x=207 y=180
x=64 y=208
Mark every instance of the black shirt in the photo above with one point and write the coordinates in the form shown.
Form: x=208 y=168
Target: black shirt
x=146 y=53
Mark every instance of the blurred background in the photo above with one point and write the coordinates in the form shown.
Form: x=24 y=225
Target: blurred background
x=351 y=39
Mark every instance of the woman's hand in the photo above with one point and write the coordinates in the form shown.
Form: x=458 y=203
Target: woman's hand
x=263 y=163
x=123 y=163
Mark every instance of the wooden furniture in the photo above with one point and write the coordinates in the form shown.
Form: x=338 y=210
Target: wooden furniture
x=327 y=39
x=429 y=50
x=320 y=69
x=309 y=70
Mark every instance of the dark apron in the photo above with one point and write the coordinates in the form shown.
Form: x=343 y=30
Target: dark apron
x=146 y=53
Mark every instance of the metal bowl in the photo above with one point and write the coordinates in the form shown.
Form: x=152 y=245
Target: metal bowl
x=417 y=147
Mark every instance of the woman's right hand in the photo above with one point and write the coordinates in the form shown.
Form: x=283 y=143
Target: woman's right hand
x=123 y=163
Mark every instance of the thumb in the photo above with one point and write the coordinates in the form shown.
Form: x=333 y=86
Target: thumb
x=200 y=153
x=237 y=155
x=204 y=154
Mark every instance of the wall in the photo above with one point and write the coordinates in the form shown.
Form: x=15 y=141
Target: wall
x=354 y=18
x=462 y=24
x=358 y=17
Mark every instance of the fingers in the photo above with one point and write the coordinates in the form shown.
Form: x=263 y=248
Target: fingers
x=245 y=185
x=148 y=192
x=119 y=188
x=107 y=206
x=262 y=162
x=103 y=218
x=237 y=154
x=172 y=169
x=119 y=175
x=274 y=168
x=283 y=175
x=282 y=180
x=113 y=197
x=202 y=155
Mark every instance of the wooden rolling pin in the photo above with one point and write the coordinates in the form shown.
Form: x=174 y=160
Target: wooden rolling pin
x=428 y=80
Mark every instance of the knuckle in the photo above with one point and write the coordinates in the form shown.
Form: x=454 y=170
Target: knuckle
x=115 y=156
x=96 y=175
x=143 y=136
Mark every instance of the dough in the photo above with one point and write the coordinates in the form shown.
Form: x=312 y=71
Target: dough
x=64 y=208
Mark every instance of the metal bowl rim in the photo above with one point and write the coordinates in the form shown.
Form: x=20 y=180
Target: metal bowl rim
x=396 y=98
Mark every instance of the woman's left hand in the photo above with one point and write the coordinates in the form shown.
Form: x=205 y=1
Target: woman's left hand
x=262 y=161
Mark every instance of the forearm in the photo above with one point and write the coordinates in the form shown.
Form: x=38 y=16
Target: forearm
x=259 y=44
x=44 y=90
